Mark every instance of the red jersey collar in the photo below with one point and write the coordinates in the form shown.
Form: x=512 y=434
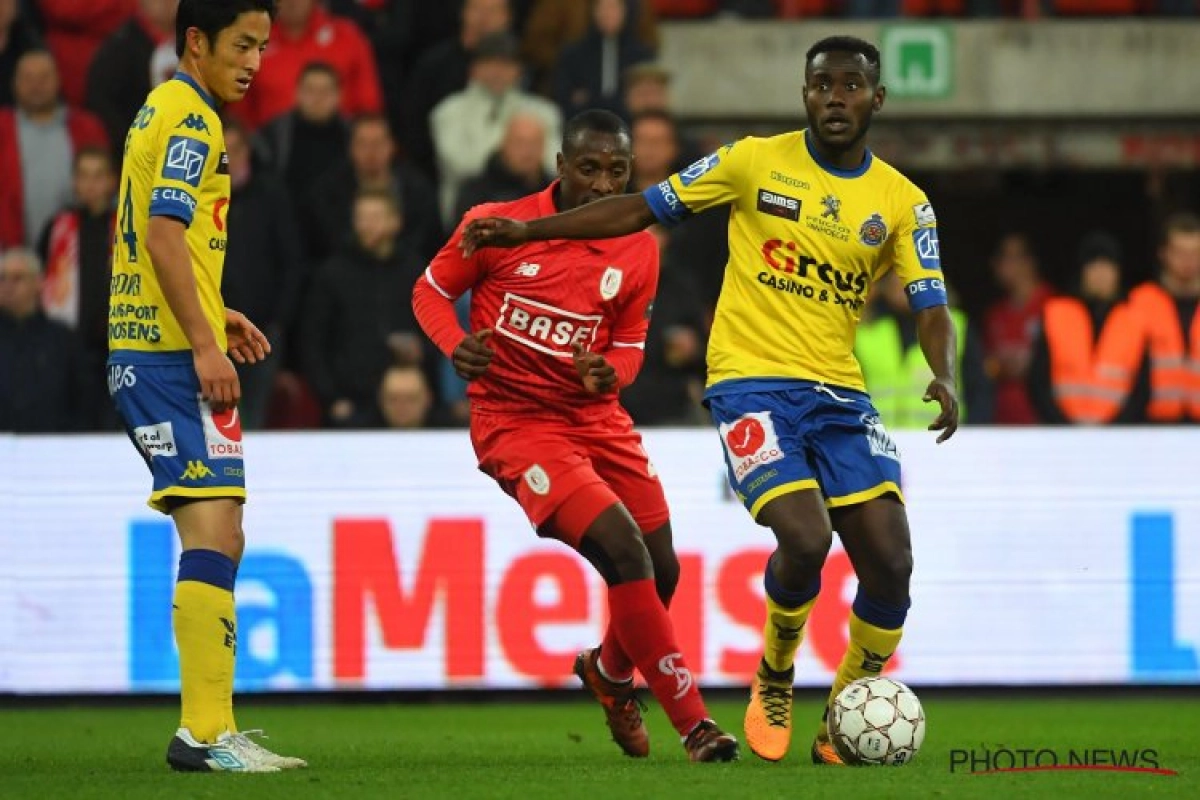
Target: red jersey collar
x=546 y=208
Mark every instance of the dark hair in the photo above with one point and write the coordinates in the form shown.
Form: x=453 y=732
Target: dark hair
x=93 y=151
x=319 y=68
x=594 y=120
x=370 y=118
x=847 y=44
x=385 y=196
x=654 y=115
x=211 y=17
x=1184 y=222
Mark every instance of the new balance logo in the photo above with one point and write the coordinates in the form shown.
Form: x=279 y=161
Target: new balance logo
x=874 y=662
x=683 y=676
x=527 y=270
x=196 y=471
x=194 y=122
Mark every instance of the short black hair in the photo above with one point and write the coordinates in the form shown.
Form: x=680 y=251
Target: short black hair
x=847 y=44
x=213 y=16
x=594 y=120
x=319 y=68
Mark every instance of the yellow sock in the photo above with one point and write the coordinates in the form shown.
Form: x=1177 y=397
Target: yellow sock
x=206 y=634
x=869 y=650
x=783 y=633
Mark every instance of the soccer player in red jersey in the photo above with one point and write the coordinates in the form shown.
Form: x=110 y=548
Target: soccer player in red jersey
x=557 y=329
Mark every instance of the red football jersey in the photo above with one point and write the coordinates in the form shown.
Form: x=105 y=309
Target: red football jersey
x=540 y=299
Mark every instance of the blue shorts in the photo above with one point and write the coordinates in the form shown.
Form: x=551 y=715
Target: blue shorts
x=783 y=436
x=191 y=451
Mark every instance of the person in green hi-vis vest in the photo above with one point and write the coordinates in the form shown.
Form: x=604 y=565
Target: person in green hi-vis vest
x=895 y=372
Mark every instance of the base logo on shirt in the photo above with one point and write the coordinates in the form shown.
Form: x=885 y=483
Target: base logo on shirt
x=873 y=232
x=610 y=283
x=750 y=441
x=537 y=480
x=222 y=431
x=546 y=328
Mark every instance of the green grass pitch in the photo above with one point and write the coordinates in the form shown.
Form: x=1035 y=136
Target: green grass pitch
x=560 y=749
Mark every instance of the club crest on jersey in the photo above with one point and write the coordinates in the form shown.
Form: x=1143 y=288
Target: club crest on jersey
x=873 y=232
x=537 y=480
x=610 y=283
x=833 y=207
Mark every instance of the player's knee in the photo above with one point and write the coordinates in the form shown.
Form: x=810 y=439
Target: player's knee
x=666 y=576
x=803 y=548
x=887 y=579
x=618 y=554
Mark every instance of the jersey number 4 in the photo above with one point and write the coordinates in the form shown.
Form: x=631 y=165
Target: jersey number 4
x=128 y=233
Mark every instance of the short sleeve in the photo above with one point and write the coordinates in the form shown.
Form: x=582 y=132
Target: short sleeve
x=181 y=160
x=916 y=254
x=716 y=179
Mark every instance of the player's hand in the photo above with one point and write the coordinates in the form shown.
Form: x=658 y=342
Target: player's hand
x=472 y=357
x=944 y=392
x=492 y=232
x=218 y=379
x=247 y=344
x=597 y=375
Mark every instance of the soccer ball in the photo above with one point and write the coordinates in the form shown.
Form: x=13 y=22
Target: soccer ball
x=877 y=721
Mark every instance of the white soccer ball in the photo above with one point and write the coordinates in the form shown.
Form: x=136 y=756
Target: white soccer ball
x=877 y=721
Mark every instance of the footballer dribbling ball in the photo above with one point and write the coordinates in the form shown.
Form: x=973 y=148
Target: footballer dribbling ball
x=877 y=721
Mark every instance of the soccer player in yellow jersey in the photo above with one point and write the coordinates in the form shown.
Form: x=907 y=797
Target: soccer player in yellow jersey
x=815 y=220
x=169 y=373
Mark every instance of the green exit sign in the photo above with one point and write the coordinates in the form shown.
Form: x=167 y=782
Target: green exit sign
x=918 y=61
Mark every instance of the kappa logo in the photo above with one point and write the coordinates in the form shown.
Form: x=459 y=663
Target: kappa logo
x=537 y=480
x=670 y=665
x=874 y=662
x=527 y=269
x=185 y=160
x=610 y=283
x=194 y=122
x=196 y=471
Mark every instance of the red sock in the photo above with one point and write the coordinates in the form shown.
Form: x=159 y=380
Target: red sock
x=644 y=628
x=615 y=663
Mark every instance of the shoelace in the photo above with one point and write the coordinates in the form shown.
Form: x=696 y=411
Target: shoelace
x=631 y=710
x=243 y=740
x=777 y=705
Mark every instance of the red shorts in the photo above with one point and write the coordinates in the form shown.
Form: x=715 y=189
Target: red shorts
x=542 y=464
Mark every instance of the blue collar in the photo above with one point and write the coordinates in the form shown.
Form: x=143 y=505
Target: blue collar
x=190 y=81
x=830 y=168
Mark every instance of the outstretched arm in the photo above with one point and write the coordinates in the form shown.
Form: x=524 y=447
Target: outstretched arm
x=603 y=219
x=935 y=332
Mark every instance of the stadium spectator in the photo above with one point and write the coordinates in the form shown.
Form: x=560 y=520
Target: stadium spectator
x=76 y=249
x=74 y=31
x=134 y=59
x=405 y=401
x=554 y=24
x=656 y=142
x=670 y=385
x=895 y=372
x=443 y=70
x=303 y=143
x=516 y=169
x=17 y=36
x=354 y=323
x=46 y=388
x=1167 y=309
x=304 y=32
x=1009 y=326
x=388 y=25
x=1089 y=364
x=589 y=72
x=264 y=267
x=647 y=88
x=370 y=164
x=468 y=126
x=38 y=141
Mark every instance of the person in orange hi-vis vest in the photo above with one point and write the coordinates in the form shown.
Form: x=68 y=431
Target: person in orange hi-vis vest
x=1166 y=309
x=1088 y=365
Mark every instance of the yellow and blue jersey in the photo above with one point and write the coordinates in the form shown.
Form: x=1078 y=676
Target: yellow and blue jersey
x=806 y=242
x=175 y=165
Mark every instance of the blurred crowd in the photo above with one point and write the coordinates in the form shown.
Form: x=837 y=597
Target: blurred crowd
x=374 y=124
